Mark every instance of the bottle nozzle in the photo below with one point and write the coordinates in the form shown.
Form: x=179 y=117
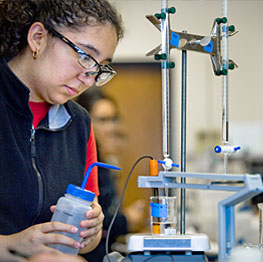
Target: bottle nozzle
x=99 y=164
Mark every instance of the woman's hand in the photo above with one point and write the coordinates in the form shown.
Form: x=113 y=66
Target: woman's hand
x=36 y=239
x=56 y=258
x=93 y=225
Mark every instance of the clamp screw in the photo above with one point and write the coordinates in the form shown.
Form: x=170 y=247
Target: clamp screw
x=221 y=20
x=171 y=65
x=171 y=10
x=160 y=57
x=224 y=72
x=221 y=72
x=160 y=16
x=231 y=28
x=224 y=20
x=231 y=66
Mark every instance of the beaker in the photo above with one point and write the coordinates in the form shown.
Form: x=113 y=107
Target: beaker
x=260 y=207
x=163 y=215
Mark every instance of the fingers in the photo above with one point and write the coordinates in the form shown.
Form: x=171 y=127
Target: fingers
x=93 y=225
x=95 y=212
x=55 y=238
x=92 y=222
x=95 y=217
x=91 y=231
x=37 y=238
x=61 y=239
x=86 y=242
x=56 y=226
x=89 y=236
x=52 y=208
x=44 y=234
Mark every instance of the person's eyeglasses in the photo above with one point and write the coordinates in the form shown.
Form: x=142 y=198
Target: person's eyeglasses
x=104 y=73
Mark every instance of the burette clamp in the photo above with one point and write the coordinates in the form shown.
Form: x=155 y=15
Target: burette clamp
x=168 y=164
x=226 y=149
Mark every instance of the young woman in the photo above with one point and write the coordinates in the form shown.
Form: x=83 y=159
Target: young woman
x=50 y=52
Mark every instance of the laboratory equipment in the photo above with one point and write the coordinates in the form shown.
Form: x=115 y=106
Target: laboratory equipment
x=240 y=254
x=210 y=44
x=226 y=149
x=192 y=247
x=163 y=215
x=71 y=209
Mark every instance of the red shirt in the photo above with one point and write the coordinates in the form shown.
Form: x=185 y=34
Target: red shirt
x=39 y=110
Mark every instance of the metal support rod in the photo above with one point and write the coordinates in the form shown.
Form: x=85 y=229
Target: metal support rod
x=165 y=81
x=260 y=225
x=183 y=138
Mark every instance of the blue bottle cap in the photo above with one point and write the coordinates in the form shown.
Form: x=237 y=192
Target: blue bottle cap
x=81 y=193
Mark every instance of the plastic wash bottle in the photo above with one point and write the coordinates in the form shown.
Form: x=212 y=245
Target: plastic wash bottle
x=71 y=209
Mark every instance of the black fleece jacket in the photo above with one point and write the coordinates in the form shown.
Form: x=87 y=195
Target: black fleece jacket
x=36 y=165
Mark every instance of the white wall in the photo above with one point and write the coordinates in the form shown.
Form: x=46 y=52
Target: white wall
x=204 y=89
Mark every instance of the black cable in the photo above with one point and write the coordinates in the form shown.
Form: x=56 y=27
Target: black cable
x=119 y=205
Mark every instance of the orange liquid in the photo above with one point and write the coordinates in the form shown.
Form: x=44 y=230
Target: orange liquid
x=156 y=228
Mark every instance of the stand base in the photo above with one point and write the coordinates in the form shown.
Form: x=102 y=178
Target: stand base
x=150 y=242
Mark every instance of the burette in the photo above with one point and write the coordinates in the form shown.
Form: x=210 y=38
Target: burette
x=225 y=119
x=165 y=80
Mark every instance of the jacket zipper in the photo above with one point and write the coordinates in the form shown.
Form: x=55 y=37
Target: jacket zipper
x=39 y=178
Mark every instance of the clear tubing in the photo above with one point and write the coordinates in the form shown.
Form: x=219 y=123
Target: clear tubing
x=165 y=81
x=225 y=122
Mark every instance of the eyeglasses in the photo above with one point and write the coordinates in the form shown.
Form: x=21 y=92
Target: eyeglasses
x=103 y=73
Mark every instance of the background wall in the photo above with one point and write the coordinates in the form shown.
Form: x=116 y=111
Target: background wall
x=203 y=87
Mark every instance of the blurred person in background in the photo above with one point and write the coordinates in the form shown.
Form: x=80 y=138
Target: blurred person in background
x=110 y=140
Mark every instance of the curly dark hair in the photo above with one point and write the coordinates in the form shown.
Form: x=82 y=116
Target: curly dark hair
x=16 y=17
